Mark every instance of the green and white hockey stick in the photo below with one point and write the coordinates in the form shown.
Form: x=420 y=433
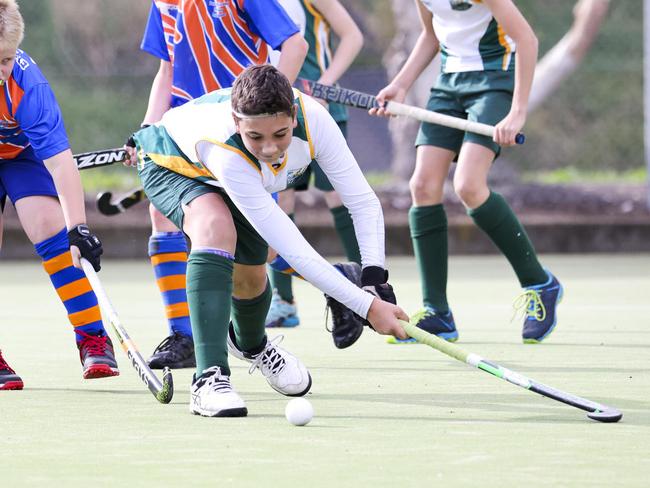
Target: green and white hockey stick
x=601 y=413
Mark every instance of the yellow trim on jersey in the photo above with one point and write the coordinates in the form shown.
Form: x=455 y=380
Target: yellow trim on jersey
x=318 y=18
x=307 y=133
x=180 y=165
x=235 y=150
x=506 y=45
x=281 y=166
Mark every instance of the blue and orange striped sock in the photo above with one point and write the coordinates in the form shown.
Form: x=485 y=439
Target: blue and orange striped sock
x=71 y=285
x=168 y=253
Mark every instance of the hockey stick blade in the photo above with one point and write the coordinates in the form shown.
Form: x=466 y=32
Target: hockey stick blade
x=107 y=206
x=97 y=159
x=352 y=98
x=163 y=390
x=601 y=413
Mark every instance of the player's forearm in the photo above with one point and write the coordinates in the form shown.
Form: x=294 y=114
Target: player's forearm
x=160 y=95
x=526 y=59
x=292 y=55
x=426 y=47
x=68 y=186
x=350 y=39
x=345 y=54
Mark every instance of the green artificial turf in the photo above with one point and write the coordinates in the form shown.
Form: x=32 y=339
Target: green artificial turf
x=385 y=415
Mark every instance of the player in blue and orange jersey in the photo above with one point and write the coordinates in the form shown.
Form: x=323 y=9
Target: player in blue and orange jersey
x=202 y=45
x=38 y=174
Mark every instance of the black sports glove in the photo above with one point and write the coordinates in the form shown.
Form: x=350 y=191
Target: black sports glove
x=374 y=280
x=88 y=244
x=130 y=142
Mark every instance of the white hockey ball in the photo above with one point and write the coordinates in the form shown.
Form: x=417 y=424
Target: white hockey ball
x=299 y=411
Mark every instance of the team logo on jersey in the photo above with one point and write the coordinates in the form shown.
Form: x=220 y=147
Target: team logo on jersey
x=219 y=8
x=460 y=4
x=293 y=175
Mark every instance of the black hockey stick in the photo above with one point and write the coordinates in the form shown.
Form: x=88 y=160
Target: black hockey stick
x=362 y=100
x=162 y=390
x=107 y=206
x=596 y=411
x=97 y=159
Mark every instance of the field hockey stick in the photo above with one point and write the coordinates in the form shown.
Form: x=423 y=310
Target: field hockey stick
x=107 y=206
x=601 y=413
x=97 y=159
x=162 y=390
x=353 y=98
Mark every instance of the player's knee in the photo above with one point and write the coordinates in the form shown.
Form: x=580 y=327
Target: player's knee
x=249 y=281
x=423 y=193
x=470 y=192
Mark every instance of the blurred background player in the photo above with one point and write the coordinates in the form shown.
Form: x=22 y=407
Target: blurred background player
x=211 y=166
x=316 y=18
x=38 y=174
x=202 y=45
x=488 y=60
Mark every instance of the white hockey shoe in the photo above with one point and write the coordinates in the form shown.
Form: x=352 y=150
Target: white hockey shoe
x=212 y=395
x=283 y=371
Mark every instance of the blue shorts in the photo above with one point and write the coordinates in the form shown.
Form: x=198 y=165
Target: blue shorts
x=24 y=176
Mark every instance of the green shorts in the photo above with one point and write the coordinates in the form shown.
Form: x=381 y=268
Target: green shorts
x=480 y=96
x=320 y=178
x=169 y=192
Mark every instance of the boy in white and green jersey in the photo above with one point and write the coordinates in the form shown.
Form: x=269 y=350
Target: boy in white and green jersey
x=316 y=20
x=488 y=60
x=211 y=166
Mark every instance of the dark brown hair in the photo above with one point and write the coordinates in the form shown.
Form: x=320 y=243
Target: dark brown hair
x=262 y=89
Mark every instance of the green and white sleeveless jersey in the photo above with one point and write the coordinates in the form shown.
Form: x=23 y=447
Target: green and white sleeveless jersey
x=202 y=143
x=316 y=32
x=470 y=37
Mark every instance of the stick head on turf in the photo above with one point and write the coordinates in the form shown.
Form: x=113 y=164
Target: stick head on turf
x=167 y=391
x=608 y=415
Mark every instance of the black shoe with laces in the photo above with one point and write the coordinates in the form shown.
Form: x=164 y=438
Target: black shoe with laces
x=174 y=352
x=9 y=380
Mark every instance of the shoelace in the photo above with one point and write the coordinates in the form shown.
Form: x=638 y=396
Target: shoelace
x=269 y=358
x=94 y=345
x=167 y=343
x=420 y=314
x=529 y=303
x=4 y=366
x=216 y=381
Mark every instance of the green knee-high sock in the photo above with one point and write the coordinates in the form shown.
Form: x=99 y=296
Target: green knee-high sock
x=209 y=291
x=429 y=235
x=281 y=281
x=499 y=222
x=248 y=317
x=345 y=229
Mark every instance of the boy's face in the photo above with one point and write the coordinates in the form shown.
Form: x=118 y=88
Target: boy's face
x=267 y=138
x=7 y=60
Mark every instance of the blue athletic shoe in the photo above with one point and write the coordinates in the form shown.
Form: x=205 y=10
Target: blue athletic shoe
x=440 y=324
x=540 y=305
x=281 y=313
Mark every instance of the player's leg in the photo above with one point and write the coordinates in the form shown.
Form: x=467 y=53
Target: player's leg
x=200 y=211
x=250 y=304
x=283 y=311
x=436 y=148
x=32 y=191
x=428 y=225
x=168 y=254
x=487 y=97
